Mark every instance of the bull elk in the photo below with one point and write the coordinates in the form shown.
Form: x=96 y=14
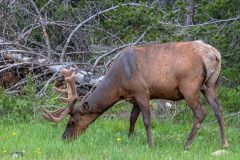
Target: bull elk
x=172 y=71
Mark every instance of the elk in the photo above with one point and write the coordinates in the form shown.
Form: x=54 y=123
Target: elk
x=172 y=71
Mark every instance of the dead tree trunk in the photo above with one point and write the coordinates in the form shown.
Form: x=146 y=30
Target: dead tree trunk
x=189 y=18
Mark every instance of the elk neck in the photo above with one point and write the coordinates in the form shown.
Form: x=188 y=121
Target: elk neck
x=104 y=96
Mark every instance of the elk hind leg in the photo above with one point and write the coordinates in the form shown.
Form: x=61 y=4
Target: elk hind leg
x=210 y=94
x=199 y=114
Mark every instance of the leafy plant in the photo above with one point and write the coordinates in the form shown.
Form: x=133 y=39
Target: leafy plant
x=229 y=99
x=238 y=88
x=24 y=106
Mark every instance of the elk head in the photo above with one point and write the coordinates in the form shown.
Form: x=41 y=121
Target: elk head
x=78 y=121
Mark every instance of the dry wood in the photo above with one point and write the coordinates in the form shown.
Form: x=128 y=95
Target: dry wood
x=87 y=20
x=45 y=34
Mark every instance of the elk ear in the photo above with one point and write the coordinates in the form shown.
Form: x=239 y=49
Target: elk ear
x=85 y=106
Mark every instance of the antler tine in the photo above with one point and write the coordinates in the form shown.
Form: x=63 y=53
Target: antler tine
x=55 y=113
x=71 y=89
x=61 y=91
x=61 y=117
x=58 y=115
x=65 y=73
x=47 y=117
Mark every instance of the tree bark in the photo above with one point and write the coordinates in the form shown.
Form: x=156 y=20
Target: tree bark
x=189 y=15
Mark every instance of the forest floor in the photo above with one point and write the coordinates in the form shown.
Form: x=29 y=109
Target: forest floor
x=107 y=139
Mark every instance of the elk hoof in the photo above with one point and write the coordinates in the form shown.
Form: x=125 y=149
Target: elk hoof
x=226 y=145
x=151 y=144
x=130 y=134
x=187 y=147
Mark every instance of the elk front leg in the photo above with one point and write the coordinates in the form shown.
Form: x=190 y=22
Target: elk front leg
x=133 y=118
x=144 y=106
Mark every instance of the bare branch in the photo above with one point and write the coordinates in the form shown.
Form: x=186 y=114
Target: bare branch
x=111 y=52
x=38 y=25
x=15 y=44
x=45 y=5
x=9 y=66
x=119 y=48
x=229 y=115
x=87 y=20
x=22 y=82
x=44 y=31
x=22 y=52
x=209 y=22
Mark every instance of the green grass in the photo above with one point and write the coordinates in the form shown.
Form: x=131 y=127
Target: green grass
x=107 y=139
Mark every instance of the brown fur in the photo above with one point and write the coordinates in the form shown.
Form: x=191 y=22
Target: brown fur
x=8 y=79
x=172 y=71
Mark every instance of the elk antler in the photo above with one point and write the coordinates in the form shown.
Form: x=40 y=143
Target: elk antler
x=59 y=114
x=69 y=76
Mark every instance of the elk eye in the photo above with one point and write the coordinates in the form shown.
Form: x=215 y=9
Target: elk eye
x=72 y=122
x=85 y=106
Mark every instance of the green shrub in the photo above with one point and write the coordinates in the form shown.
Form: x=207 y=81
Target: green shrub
x=18 y=107
x=238 y=88
x=25 y=105
x=229 y=99
x=232 y=75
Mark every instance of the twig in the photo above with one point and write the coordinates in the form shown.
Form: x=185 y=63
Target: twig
x=111 y=52
x=24 y=81
x=39 y=94
x=21 y=36
x=232 y=114
x=205 y=23
x=45 y=5
x=133 y=44
x=119 y=48
x=87 y=20
x=15 y=44
x=14 y=65
x=22 y=52
x=44 y=31
x=37 y=25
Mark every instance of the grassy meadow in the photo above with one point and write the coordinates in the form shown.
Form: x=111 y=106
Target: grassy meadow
x=107 y=139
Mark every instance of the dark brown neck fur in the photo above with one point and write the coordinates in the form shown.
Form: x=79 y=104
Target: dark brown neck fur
x=104 y=96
